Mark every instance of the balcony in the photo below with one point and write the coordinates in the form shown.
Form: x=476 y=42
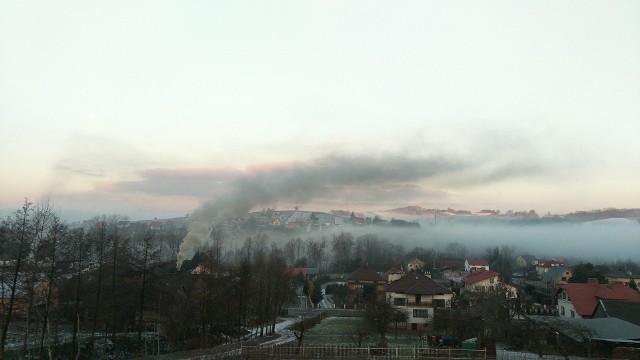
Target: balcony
x=420 y=304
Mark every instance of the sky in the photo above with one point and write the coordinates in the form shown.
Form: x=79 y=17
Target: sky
x=154 y=108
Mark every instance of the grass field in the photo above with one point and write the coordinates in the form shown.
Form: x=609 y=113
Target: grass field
x=344 y=331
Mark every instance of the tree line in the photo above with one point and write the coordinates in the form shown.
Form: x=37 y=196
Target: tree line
x=104 y=288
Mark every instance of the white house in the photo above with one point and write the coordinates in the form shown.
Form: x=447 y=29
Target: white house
x=418 y=296
x=487 y=281
x=472 y=265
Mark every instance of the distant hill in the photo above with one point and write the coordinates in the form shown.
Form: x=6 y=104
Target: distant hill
x=413 y=210
x=579 y=216
x=601 y=214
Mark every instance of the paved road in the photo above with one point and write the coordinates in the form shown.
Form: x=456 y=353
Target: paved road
x=327 y=302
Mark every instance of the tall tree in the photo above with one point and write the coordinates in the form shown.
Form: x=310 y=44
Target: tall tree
x=342 y=245
x=98 y=236
x=19 y=231
x=146 y=254
x=317 y=295
x=56 y=233
x=585 y=271
x=379 y=314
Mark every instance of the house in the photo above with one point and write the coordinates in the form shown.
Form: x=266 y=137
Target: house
x=524 y=261
x=544 y=266
x=392 y=275
x=581 y=299
x=622 y=277
x=624 y=310
x=418 y=296
x=452 y=264
x=557 y=275
x=487 y=281
x=472 y=265
x=415 y=265
x=610 y=332
x=362 y=282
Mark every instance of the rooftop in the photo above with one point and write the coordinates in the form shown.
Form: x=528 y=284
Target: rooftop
x=585 y=296
x=417 y=284
x=364 y=273
x=480 y=275
x=478 y=262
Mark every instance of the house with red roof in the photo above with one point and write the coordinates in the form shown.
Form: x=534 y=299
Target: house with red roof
x=475 y=264
x=544 y=266
x=581 y=299
x=361 y=279
x=452 y=264
x=487 y=281
x=418 y=296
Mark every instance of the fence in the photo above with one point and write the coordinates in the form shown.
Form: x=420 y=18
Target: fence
x=347 y=352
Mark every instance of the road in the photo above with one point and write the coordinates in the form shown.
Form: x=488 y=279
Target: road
x=327 y=301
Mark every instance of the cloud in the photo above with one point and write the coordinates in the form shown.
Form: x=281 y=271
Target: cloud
x=195 y=182
x=390 y=178
x=105 y=170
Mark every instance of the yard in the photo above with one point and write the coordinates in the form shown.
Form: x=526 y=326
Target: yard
x=351 y=330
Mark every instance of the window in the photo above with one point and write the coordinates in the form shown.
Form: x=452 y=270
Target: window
x=492 y=280
x=562 y=310
x=399 y=301
x=573 y=313
x=418 y=299
x=420 y=313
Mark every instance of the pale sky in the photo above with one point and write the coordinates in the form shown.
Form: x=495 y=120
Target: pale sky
x=150 y=108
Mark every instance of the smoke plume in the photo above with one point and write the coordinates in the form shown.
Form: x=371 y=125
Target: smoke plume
x=329 y=178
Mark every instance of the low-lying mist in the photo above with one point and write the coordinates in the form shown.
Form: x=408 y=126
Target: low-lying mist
x=605 y=241
x=592 y=241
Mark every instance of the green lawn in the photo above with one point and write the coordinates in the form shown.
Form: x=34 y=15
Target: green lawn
x=344 y=331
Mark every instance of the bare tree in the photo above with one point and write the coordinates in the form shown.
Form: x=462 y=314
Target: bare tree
x=146 y=254
x=379 y=314
x=456 y=250
x=98 y=236
x=342 y=246
x=55 y=235
x=19 y=230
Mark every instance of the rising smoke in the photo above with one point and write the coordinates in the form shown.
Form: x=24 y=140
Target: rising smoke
x=332 y=177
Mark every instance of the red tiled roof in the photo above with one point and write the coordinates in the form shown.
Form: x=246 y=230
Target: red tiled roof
x=417 y=284
x=364 y=273
x=452 y=263
x=478 y=262
x=480 y=275
x=584 y=297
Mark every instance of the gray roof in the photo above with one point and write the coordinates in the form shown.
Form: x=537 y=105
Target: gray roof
x=417 y=284
x=625 y=310
x=604 y=329
x=553 y=273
